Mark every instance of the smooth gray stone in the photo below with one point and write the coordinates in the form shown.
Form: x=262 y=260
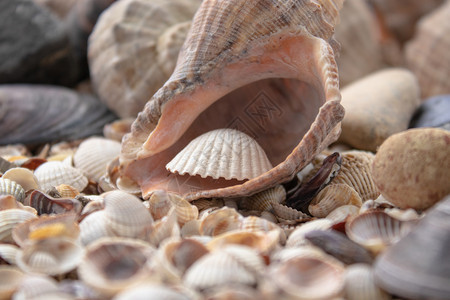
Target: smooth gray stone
x=434 y=112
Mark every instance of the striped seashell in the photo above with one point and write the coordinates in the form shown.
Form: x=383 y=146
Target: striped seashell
x=375 y=230
x=22 y=176
x=342 y=213
x=242 y=51
x=8 y=253
x=283 y=212
x=356 y=173
x=46 y=204
x=67 y=191
x=184 y=210
x=221 y=153
x=220 y=221
x=54 y=173
x=332 y=197
x=360 y=284
x=126 y=216
x=262 y=201
x=51 y=256
x=37 y=285
x=11 y=279
x=297 y=237
x=203 y=204
x=191 y=228
x=125 y=75
x=9 y=219
x=9 y=187
x=94 y=154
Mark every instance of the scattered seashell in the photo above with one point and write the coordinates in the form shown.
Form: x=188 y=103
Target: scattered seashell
x=11 y=279
x=24 y=177
x=283 y=212
x=360 y=284
x=54 y=173
x=262 y=201
x=403 y=214
x=67 y=191
x=8 y=253
x=117 y=129
x=151 y=291
x=411 y=168
x=45 y=204
x=331 y=197
x=93 y=227
x=342 y=213
x=34 y=286
x=289 y=144
x=426 y=56
x=126 y=75
x=9 y=219
x=401 y=272
x=225 y=153
x=184 y=210
x=378 y=106
x=376 y=230
x=93 y=155
x=220 y=221
x=297 y=237
x=164 y=228
x=9 y=187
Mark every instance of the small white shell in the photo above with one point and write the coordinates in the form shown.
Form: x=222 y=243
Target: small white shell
x=36 y=286
x=9 y=187
x=93 y=155
x=9 y=219
x=297 y=237
x=8 y=253
x=225 y=153
x=360 y=284
x=94 y=227
x=22 y=176
x=151 y=291
x=54 y=173
x=341 y=213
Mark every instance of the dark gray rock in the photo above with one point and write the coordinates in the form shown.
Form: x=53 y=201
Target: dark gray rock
x=434 y=112
x=34 y=46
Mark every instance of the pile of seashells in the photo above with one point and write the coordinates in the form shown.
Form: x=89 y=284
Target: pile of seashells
x=242 y=177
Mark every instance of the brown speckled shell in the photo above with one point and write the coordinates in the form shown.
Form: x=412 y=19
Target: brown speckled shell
x=283 y=50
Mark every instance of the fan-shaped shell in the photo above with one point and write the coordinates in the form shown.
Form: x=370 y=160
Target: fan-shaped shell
x=225 y=153
x=375 y=230
x=9 y=187
x=8 y=253
x=340 y=214
x=9 y=219
x=93 y=155
x=24 y=177
x=263 y=201
x=297 y=237
x=331 y=197
x=255 y=66
x=360 y=284
x=54 y=173
x=67 y=191
x=93 y=227
x=131 y=54
x=220 y=221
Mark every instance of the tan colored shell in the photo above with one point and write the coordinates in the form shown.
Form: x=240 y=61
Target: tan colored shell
x=340 y=214
x=220 y=221
x=54 y=173
x=356 y=173
x=11 y=279
x=67 y=191
x=360 y=284
x=332 y=197
x=427 y=55
x=242 y=52
x=93 y=155
x=9 y=187
x=283 y=212
x=22 y=176
x=263 y=201
x=225 y=153
x=297 y=237
x=126 y=74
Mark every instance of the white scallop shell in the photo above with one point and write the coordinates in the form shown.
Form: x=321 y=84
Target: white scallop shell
x=22 y=176
x=9 y=219
x=225 y=153
x=94 y=227
x=54 y=173
x=8 y=253
x=360 y=284
x=94 y=154
x=9 y=187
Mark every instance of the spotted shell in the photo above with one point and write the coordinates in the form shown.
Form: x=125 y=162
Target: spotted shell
x=133 y=49
x=237 y=58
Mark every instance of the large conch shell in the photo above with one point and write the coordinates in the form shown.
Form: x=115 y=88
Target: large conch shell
x=264 y=68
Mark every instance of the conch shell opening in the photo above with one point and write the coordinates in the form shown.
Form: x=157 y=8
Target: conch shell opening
x=265 y=68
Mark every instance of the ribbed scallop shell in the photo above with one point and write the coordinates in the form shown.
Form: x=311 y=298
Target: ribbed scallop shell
x=8 y=253
x=9 y=219
x=281 y=51
x=22 y=176
x=225 y=153
x=9 y=187
x=67 y=191
x=263 y=201
x=94 y=227
x=94 y=154
x=283 y=213
x=360 y=284
x=130 y=53
x=220 y=221
x=356 y=173
x=331 y=197
x=376 y=230
x=125 y=214
x=54 y=173
x=427 y=55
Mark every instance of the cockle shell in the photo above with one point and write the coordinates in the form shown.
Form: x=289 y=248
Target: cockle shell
x=340 y=214
x=94 y=154
x=9 y=187
x=9 y=219
x=360 y=284
x=331 y=197
x=94 y=227
x=220 y=221
x=54 y=173
x=11 y=278
x=8 y=253
x=297 y=237
x=255 y=66
x=34 y=286
x=226 y=153
x=263 y=201
x=23 y=176
x=67 y=191
x=133 y=49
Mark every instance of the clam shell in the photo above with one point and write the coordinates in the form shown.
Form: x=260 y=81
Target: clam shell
x=225 y=153
x=360 y=284
x=164 y=228
x=125 y=215
x=54 y=173
x=9 y=187
x=93 y=155
x=262 y=201
x=34 y=286
x=309 y=277
x=51 y=256
x=425 y=53
x=297 y=237
x=401 y=272
x=220 y=221
x=11 y=279
x=340 y=214
x=375 y=230
x=94 y=227
x=332 y=197
x=8 y=253
x=151 y=291
x=113 y=264
x=356 y=173
x=24 y=177
x=9 y=219
x=160 y=204
x=184 y=210
x=239 y=63
x=67 y=191
x=126 y=74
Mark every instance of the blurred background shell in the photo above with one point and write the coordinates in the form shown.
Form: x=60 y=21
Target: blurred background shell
x=57 y=7
x=133 y=50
